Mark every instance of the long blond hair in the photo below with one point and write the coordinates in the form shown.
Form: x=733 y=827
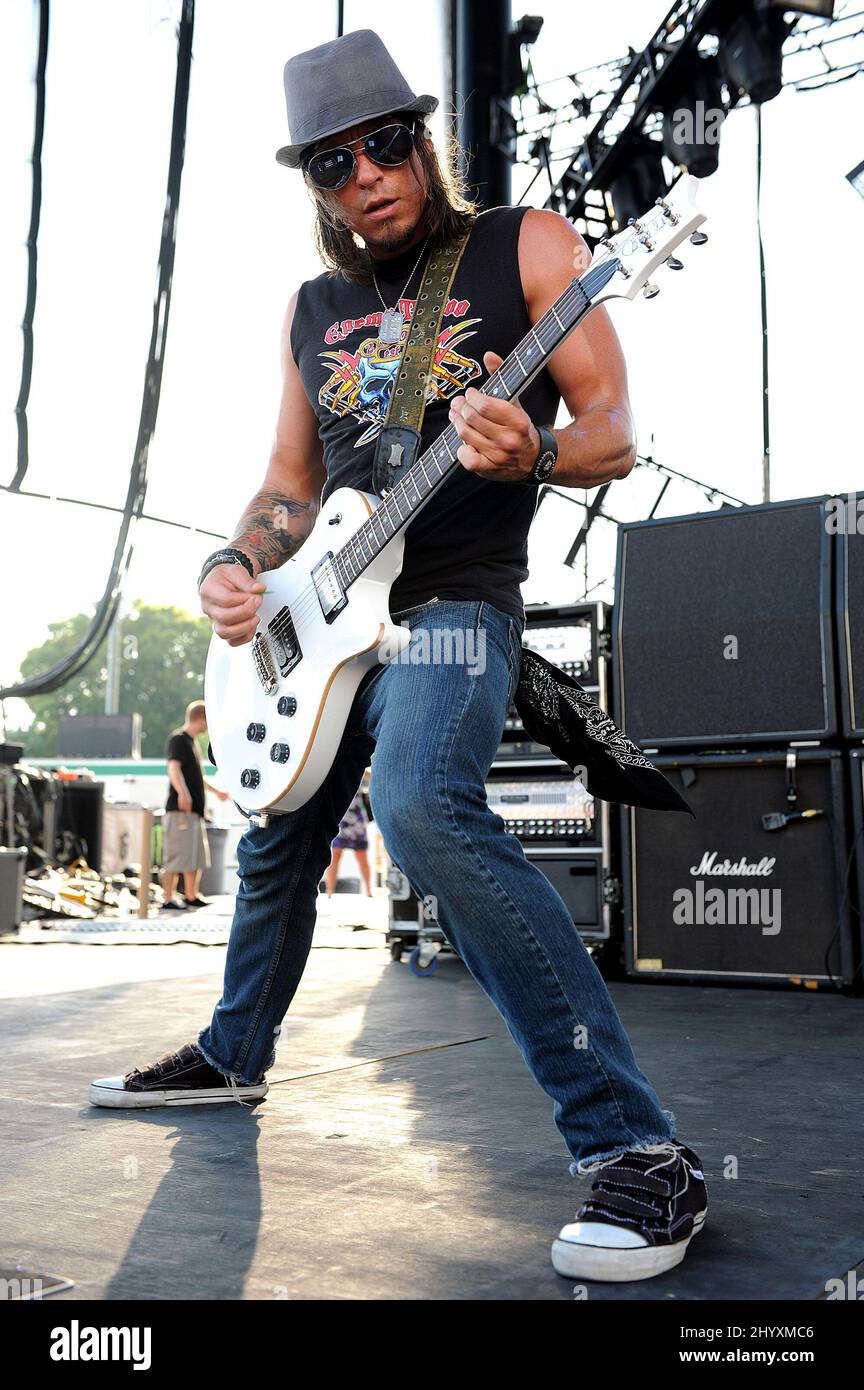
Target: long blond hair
x=448 y=208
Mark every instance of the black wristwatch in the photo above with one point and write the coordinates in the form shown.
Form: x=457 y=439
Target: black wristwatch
x=546 y=459
x=228 y=556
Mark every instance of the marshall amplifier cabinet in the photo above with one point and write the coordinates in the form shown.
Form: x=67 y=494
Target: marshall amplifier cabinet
x=563 y=831
x=723 y=628
x=574 y=636
x=849 y=609
x=856 y=852
x=754 y=889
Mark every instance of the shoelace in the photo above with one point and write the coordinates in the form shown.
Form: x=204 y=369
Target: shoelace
x=675 y=1152
x=232 y=1082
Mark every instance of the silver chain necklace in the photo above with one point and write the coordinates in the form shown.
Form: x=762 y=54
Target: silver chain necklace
x=392 y=320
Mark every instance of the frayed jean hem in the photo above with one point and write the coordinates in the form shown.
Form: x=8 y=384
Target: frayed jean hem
x=579 y=1168
x=218 y=1066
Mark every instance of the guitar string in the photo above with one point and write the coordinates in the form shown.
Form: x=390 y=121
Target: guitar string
x=352 y=553
x=578 y=290
x=308 y=597
x=351 y=550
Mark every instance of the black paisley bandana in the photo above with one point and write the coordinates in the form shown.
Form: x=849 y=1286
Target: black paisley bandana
x=557 y=712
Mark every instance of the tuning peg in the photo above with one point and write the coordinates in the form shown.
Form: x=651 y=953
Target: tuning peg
x=667 y=211
x=699 y=238
x=650 y=291
x=673 y=263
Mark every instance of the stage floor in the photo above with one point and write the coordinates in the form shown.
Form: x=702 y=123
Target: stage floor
x=404 y=1150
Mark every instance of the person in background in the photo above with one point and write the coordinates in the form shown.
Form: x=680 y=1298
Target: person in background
x=352 y=835
x=184 y=845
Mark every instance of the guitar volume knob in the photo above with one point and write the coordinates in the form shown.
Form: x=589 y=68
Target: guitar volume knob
x=280 y=752
x=255 y=733
x=250 y=777
x=286 y=704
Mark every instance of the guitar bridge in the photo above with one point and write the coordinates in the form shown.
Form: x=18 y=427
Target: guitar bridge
x=264 y=664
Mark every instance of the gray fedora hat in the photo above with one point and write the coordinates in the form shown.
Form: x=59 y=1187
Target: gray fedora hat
x=339 y=84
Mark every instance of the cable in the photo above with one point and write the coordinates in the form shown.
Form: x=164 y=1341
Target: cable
x=106 y=507
x=32 y=242
x=710 y=490
x=133 y=509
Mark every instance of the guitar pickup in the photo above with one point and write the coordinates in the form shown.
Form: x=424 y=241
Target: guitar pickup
x=283 y=641
x=331 y=595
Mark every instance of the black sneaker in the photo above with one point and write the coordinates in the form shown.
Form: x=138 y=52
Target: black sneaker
x=644 y=1210
x=196 y=902
x=175 y=1078
x=175 y=905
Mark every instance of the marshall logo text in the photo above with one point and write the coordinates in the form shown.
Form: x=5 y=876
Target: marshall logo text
x=741 y=867
x=709 y=906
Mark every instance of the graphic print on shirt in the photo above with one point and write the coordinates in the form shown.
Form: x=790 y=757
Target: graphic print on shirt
x=360 y=382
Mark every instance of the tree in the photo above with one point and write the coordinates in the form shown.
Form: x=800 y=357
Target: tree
x=162 y=656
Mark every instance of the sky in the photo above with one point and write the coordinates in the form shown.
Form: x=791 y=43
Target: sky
x=245 y=242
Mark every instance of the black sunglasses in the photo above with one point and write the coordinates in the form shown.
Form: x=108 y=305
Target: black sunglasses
x=389 y=146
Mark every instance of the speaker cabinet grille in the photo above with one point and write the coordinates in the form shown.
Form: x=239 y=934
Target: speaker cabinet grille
x=723 y=627
x=672 y=864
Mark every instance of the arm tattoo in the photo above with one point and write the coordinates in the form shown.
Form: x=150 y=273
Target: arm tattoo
x=273 y=527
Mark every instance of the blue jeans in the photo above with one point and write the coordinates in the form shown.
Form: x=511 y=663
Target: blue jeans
x=431 y=725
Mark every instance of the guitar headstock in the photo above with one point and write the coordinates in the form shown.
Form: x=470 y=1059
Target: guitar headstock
x=648 y=242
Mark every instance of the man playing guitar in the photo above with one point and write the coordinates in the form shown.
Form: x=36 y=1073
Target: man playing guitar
x=434 y=726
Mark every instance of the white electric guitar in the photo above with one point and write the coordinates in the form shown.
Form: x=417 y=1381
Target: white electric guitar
x=277 y=706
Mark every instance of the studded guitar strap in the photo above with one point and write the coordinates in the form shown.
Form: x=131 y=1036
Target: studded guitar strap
x=399 y=441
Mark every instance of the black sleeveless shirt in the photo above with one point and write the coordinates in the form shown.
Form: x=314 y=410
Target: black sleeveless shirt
x=471 y=540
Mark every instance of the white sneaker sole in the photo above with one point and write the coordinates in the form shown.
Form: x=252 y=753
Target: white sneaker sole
x=578 y=1261
x=111 y=1093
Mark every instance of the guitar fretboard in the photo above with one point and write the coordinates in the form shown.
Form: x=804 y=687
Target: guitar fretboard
x=425 y=476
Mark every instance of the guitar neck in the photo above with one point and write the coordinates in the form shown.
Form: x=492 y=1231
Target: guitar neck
x=423 y=479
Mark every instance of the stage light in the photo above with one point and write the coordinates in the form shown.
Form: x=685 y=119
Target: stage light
x=640 y=181
x=527 y=30
x=523 y=34
x=750 y=54
x=691 y=124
